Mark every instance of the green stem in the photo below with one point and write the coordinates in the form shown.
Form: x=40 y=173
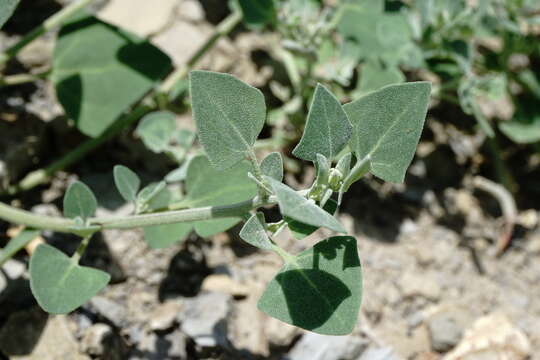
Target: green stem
x=49 y=24
x=76 y=257
x=41 y=176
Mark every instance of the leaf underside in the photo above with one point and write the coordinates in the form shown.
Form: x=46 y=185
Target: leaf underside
x=79 y=201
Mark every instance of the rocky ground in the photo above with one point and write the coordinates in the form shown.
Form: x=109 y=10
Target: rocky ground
x=434 y=287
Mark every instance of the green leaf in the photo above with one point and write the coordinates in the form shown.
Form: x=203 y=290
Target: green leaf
x=16 y=244
x=127 y=182
x=59 y=284
x=100 y=70
x=327 y=129
x=300 y=230
x=254 y=232
x=7 y=7
x=206 y=186
x=344 y=165
x=524 y=128
x=150 y=191
x=272 y=165
x=375 y=75
x=229 y=115
x=387 y=125
x=299 y=208
x=319 y=290
x=162 y=236
x=79 y=201
x=258 y=13
x=156 y=130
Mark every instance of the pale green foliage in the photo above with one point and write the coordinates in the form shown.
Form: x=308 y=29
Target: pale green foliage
x=162 y=236
x=376 y=75
x=254 y=232
x=79 y=201
x=229 y=115
x=7 y=7
x=320 y=289
x=300 y=230
x=327 y=129
x=59 y=284
x=272 y=165
x=156 y=129
x=16 y=244
x=127 y=182
x=387 y=125
x=298 y=208
x=95 y=87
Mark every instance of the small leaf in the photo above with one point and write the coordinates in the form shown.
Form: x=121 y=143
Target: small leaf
x=327 y=129
x=59 y=284
x=319 y=290
x=127 y=182
x=300 y=230
x=162 y=236
x=156 y=130
x=16 y=244
x=96 y=87
x=344 y=165
x=375 y=75
x=387 y=126
x=272 y=165
x=150 y=191
x=79 y=201
x=211 y=227
x=229 y=115
x=299 y=208
x=258 y=13
x=7 y=7
x=254 y=232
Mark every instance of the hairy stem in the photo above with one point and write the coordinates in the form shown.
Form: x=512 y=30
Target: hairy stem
x=49 y=24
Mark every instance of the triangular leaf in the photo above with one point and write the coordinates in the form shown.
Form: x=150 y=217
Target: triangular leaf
x=96 y=87
x=300 y=230
x=327 y=129
x=319 y=290
x=299 y=208
x=272 y=165
x=79 y=201
x=387 y=126
x=127 y=182
x=59 y=284
x=229 y=114
x=254 y=232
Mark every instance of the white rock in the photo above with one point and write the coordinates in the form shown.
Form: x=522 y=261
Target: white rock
x=164 y=316
x=320 y=347
x=492 y=337
x=142 y=17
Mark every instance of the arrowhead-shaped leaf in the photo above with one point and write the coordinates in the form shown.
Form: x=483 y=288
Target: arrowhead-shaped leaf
x=96 y=87
x=254 y=232
x=127 y=182
x=300 y=230
x=229 y=114
x=162 y=236
x=16 y=244
x=79 y=201
x=272 y=165
x=297 y=207
x=59 y=284
x=387 y=126
x=327 y=129
x=7 y=7
x=319 y=290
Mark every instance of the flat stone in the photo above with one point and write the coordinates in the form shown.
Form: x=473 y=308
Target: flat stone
x=204 y=319
x=492 y=337
x=165 y=315
x=109 y=309
x=383 y=353
x=445 y=331
x=94 y=339
x=223 y=283
x=141 y=17
x=321 y=347
x=414 y=284
x=190 y=10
